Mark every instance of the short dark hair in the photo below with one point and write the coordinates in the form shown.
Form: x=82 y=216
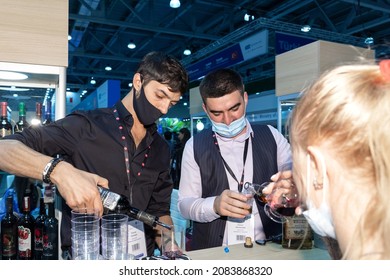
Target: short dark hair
x=165 y=69
x=186 y=133
x=219 y=83
x=168 y=135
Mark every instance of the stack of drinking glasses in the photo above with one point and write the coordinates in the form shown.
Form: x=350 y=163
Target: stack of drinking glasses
x=85 y=234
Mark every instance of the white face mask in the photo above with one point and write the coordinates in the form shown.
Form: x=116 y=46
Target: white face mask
x=319 y=219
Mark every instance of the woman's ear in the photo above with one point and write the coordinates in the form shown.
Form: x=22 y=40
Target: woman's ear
x=317 y=166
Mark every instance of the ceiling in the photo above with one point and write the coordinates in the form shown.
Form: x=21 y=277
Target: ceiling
x=102 y=29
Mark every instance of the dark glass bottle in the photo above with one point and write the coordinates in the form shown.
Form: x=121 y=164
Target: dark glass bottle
x=47 y=113
x=39 y=224
x=26 y=232
x=5 y=125
x=9 y=232
x=22 y=123
x=50 y=235
x=117 y=203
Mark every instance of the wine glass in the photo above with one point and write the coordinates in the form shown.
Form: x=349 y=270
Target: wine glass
x=173 y=242
x=281 y=201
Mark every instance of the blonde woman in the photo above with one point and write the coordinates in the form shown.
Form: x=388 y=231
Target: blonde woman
x=340 y=138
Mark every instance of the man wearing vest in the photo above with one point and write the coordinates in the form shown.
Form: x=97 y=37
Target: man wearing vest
x=219 y=160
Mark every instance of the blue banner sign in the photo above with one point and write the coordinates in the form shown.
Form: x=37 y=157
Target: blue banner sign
x=246 y=49
x=285 y=42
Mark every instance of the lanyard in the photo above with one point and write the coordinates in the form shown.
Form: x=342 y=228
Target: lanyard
x=241 y=182
x=122 y=129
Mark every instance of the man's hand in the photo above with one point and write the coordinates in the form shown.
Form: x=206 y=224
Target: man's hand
x=232 y=204
x=77 y=187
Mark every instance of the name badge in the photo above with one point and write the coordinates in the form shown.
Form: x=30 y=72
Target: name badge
x=239 y=229
x=136 y=239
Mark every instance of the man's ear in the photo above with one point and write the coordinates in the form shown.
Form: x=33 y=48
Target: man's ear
x=137 y=82
x=204 y=108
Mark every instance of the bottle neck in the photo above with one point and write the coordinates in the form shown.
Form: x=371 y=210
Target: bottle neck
x=51 y=210
x=42 y=208
x=26 y=204
x=4 y=109
x=9 y=205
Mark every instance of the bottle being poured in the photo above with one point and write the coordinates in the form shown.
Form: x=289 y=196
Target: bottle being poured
x=117 y=203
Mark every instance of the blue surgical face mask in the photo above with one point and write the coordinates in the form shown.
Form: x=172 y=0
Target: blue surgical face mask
x=319 y=219
x=231 y=130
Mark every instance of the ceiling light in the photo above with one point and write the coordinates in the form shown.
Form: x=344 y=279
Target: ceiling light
x=248 y=17
x=130 y=85
x=174 y=4
x=7 y=75
x=131 y=45
x=306 y=28
x=13 y=88
x=369 y=41
x=108 y=68
x=93 y=81
x=69 y=37
x=187 y=52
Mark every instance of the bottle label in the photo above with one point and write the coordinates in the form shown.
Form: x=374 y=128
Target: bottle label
x=109 y=199
x=48 y=247
x=297 y=228
x=24 y=241
x=38 y=242
x=9 y=243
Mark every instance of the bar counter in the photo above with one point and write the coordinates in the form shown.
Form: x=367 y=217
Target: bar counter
x=270 y=251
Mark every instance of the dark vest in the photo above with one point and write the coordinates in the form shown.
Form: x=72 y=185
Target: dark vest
x=214 y=181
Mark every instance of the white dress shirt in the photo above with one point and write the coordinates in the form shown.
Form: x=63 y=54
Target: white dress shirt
x=191 y=204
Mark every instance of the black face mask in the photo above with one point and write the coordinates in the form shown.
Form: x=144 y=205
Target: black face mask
x=146 y=112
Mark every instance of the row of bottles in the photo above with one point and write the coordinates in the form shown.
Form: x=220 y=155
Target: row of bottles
x=26 y=237
x=6 y=128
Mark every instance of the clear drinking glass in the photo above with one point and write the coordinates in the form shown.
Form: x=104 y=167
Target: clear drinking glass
x=114 y=231
x=173 y=242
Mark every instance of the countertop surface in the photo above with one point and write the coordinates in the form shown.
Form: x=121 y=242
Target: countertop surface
x=270 y=251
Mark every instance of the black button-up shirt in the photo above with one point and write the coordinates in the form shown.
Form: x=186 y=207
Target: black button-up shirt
x=91 y=141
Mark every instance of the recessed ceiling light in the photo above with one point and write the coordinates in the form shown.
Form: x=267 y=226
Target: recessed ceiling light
x=108 y=68
x=369 y=41
x=13 y=88
x=187 y=52
x=174 y=4
x=8 y=75
x=306 y=28
x=131 y=45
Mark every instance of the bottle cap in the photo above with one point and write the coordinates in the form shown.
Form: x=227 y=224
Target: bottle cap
x=248 y=242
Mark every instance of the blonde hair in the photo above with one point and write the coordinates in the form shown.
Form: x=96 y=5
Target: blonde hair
x=348 y=109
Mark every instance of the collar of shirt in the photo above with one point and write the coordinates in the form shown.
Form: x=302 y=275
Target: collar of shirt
x=240 y=138
x=128 y=120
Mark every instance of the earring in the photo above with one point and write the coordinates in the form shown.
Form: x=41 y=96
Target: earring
x=317 y=185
